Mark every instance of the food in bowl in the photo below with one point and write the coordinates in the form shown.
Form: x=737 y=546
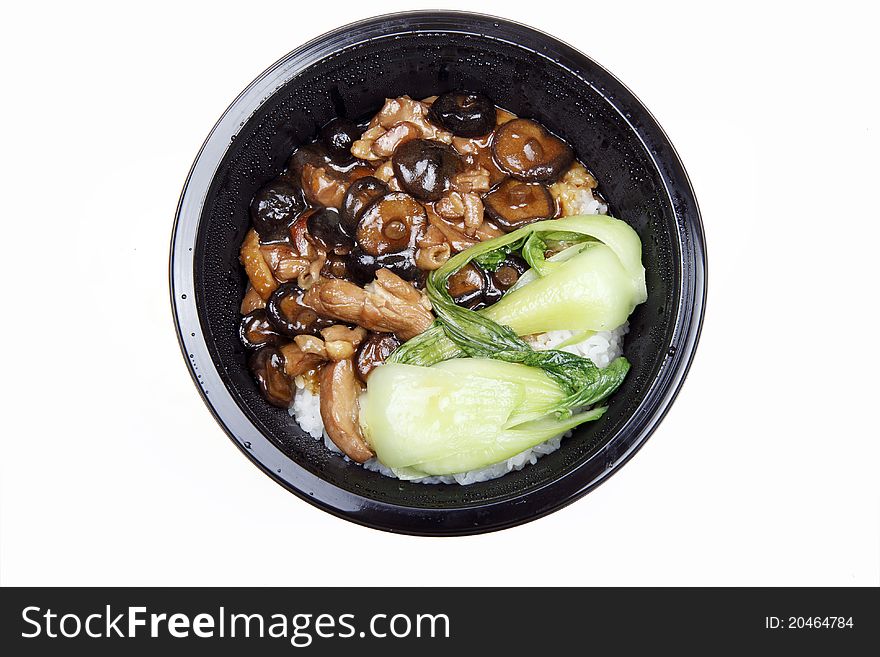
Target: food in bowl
x=438 y=294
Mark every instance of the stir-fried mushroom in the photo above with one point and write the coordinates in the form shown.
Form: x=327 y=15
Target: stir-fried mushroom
x=256 y=331
x=274 y=208
x=337 y=136
x=392 y=224
x=464 y=113
x=267 y=366
x=526 y=151
x=339 y=409
x=324 y=226
x=514 y=203
x=474 y=288
x=391 y=304
x=290 y=315
x=425 y=168
x=359 y=197
x=373 y=352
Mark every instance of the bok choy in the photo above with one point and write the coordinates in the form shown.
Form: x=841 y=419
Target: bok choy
x=470 y=392
x=593 y=285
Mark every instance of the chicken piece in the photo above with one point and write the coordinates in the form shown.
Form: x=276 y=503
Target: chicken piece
x=391 y=305
x=309 y=344
x=258 y=270
x=340 y=410
x=472 y=180
x=339 y=332
x=392 y=287
x=399 y=134
x=297 y=362
x=341 y=341
x=385 y=133
x=452 y=233
x=574 y=192
x=473 y=213
x=451 y=206
x=433 y=256
x=251 y=301
x=285 y=264
x=322 y=187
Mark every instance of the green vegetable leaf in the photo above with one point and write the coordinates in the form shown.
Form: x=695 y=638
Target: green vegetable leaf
x=491 y=260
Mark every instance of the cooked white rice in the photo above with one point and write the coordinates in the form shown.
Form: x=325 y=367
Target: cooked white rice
x=601 y=348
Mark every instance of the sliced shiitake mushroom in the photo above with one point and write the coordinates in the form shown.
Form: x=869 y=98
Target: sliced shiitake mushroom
x=337 y=136
x=362 y=266
x=324 y=226
x=360 y=195
x=373 y=352
x=267 y=366
x=474 y=288
x=503 y=278
x=286 y=312
x=508 y=272
x=275 y=207
x=527 y=151
x=392 y=224
x=256 y=331
x=424 y=167
x=463 y=113
x=513 y=203
x=466 y=286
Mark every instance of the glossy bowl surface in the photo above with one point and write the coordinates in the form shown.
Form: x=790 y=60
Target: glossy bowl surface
x=348 y=72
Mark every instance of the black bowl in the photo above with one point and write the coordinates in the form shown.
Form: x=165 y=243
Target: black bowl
x=348 y=72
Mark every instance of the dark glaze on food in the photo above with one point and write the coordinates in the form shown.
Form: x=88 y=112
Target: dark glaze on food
x=363 y=214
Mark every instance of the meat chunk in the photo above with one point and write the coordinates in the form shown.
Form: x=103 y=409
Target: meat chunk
x=297 y=361
x=339 y=409
x=389 y=305
x=258 y=270
x=400 y=120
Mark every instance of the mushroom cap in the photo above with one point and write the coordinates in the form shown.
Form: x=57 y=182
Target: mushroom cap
x=267 y=366
x=513 y=203
x=275 y=207
x=464 y=113
x=361 y=194
x=256 y=330
x=424 y=168
x=527 y=151
x=373 y=351
x=288 y=314
x=325 y=227
x=392 y=224
x=337 y=136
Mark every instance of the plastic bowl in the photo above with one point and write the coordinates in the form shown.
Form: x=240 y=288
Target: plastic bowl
x=349 y=72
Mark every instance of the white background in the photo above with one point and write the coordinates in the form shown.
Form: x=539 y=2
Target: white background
x=764 y=471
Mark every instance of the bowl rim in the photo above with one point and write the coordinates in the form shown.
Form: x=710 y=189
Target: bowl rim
x=473 y=519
